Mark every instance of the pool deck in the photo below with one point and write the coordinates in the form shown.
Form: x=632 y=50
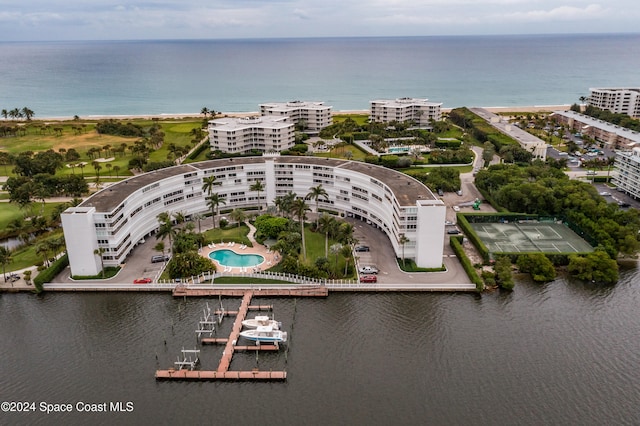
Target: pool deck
x=270 y=257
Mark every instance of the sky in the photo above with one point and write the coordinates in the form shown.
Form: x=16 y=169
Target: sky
x=27 y=20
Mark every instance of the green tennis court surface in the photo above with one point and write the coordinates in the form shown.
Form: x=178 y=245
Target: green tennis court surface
x=530 y=237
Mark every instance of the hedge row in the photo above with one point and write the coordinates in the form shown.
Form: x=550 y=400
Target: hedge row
x=50 y=273
x=473 y=237
x=456 y=245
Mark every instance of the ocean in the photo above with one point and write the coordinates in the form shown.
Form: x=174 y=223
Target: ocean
x=62 y=79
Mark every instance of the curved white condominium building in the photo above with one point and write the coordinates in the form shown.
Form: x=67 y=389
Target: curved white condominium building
x=120 y=216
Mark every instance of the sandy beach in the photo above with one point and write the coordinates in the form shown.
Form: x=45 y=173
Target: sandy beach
x=494 y=109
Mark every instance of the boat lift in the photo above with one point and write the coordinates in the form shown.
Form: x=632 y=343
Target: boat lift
x=187 y=362
x=207 y=324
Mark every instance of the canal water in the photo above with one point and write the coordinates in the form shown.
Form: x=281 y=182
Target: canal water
x=557 y=354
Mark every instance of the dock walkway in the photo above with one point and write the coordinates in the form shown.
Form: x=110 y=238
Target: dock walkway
x=223 y=372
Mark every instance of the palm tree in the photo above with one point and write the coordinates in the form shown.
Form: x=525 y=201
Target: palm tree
x=5 y=259
x=317 y=192
x=208 y=184
x=347 y=253
x=403 y=240
x=116 y=169
x=160 y=248
x=213 y=201
x=299 y=209
x=27 y=113
x=239 y=216
x=335 y=249
x=204 y=111
x=166 y=228
x=99 y=252
x=283 y=203
x=257 y=186
x=325 y=223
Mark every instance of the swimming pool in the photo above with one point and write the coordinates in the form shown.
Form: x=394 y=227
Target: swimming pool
x=230 y=258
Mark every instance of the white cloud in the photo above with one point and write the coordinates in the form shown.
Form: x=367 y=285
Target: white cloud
x=116 y=19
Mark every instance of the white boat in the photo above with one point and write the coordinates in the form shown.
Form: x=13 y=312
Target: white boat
x=261 y=321
x=265 y=335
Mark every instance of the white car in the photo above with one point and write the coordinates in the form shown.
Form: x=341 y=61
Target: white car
x=368 y=270
x=456 y=208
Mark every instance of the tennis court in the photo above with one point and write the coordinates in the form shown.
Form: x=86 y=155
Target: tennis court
x=530 y=237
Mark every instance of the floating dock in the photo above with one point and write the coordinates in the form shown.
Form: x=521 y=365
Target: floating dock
x=223 y=372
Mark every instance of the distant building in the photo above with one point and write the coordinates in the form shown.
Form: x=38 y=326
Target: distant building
x=313 y=116
x=405 y=109
x=627 y=177
x=617 y=100
x=243 y=135
x=612 y=135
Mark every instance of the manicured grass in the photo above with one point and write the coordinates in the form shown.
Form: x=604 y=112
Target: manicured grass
x=246 y=280
x=177 y=132
x=11 y=211
x=26 y=256
x=360 y=119
x=340 y=150
x=230 y=233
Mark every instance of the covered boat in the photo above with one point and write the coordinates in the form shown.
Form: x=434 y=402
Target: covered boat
x=261 y=321
x=264 y=334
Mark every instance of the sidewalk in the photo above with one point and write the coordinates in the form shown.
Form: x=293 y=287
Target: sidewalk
x=20 y=284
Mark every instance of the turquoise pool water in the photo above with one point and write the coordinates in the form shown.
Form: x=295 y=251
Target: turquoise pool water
x=398 y=149
x=229 y=258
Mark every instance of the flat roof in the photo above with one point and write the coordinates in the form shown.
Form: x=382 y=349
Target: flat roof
x=601 y=124
x=406 y=189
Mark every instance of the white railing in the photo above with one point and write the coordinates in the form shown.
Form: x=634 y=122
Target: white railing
x=210 y=277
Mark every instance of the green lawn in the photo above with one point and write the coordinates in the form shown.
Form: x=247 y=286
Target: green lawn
x=340 y=151
x=360 y=119
x=230 y=233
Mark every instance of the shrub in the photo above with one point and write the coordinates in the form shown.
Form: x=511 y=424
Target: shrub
x=50 y=273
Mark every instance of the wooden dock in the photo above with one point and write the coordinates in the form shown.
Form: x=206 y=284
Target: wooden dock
x=223 y=372
x=217 y=375
x=316 y=291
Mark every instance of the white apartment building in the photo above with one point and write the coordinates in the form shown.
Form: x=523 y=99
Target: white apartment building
x=245 y=134
x=315 y=115
x=627 y=177
x=623 y=100
x=119 y=217
x=612 y=135
x=405 y=109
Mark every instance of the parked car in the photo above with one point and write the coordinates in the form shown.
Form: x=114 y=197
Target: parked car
x=440 y=192
x=456 y=208
x=159 y=258
x=369 y=270
x=142 y=281
x=362 y=248
x=368 y=279
x=453 y=231
x=459 y=192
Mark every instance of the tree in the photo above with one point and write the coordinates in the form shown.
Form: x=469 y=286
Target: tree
x=284 y=203
x=166 y=228
x=208 y=184
x=5 y=259
x=257 y=186
x=213 y=202
x=335 y=250
x=239 y=216
x=299 y=209
x=596 y=266
x=504 y=277
x=347 y=253
x=403 y=240
x=538 y=265
x=317 y=192
x=99 y=252
x=325 y=223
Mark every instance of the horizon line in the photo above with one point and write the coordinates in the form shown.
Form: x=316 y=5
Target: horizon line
x=254 y=38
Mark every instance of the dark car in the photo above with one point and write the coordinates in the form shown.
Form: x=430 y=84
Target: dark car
x=453 y=232
x=362 y=248
x=159 y=258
